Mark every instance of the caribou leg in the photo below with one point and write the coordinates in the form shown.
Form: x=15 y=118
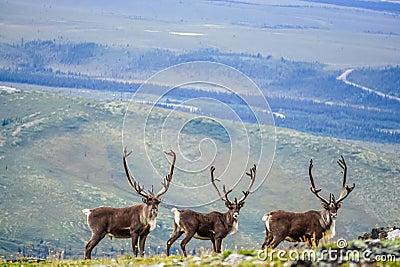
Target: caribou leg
x=277 y=239
x=268 y=239
x=186 y=240
x=213 y=243
x=175 y=235
x=218 y=243
x=312 y=242
x=94 y=240
x=142 y=241
x=135 y=238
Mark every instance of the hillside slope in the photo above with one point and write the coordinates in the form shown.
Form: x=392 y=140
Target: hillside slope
x=60 y=154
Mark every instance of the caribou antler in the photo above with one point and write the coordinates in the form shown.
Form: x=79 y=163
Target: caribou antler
x=135 y=185
x=167 y=180
x=139 y=189
x=343 y=165
x=312 y=188
x=342 y=196
x=225 y=196
x=252 y=175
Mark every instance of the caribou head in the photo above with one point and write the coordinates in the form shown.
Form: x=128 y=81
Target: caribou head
x=333 y=205
x=233 y=206
x=151 y=199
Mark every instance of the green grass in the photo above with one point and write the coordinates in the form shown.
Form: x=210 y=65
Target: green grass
x=123 y=261
x=243 y=258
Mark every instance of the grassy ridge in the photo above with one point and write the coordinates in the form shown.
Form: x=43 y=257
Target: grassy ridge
x=374 y=253
x=60 y=154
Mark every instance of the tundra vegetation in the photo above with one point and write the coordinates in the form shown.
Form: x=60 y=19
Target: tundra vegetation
x=305 y=96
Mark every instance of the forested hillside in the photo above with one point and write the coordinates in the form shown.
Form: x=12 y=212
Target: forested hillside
x=305 y=96
x=385 y=79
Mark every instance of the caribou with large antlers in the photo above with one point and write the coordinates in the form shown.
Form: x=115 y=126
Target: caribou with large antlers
x=212 y=226
x=134 y=222
x=308 y=226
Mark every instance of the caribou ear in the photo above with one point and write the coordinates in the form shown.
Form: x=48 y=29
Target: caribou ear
x=144 y=200
x=338 y=205
x=227 y=205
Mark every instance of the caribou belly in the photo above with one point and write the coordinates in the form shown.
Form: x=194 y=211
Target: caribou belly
x=120 y=233
x=197 y=236
x=204 y=234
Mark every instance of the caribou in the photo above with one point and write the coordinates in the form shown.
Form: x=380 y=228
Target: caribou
x=212 y=226
x=309 y=226
x=134 y=222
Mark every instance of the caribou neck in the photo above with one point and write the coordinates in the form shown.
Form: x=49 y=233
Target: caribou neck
x=326 y=219
x=230 y=220
x=148 y=218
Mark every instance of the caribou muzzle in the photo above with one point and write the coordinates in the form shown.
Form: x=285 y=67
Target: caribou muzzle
x=154 y=212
